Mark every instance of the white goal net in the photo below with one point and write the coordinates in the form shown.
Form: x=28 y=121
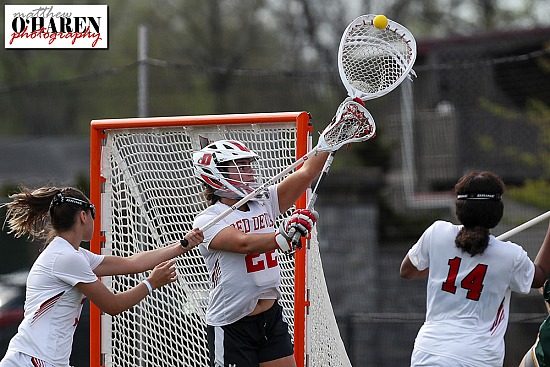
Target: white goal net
x=148 y=199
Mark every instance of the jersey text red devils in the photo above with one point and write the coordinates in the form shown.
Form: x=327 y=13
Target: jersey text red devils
x=247 y=225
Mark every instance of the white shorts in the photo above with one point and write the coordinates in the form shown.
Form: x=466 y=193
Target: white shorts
x=18 y=359
x=422 y=359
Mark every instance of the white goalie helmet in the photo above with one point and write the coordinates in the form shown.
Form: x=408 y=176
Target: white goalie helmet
x=229 y=167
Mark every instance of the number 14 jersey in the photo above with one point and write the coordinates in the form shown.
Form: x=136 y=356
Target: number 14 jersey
x=468 y=297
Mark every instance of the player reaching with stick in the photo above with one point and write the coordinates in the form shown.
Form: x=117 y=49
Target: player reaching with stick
x=539 y=354
x=245 y=324
x=471 y=275
x=65 y=274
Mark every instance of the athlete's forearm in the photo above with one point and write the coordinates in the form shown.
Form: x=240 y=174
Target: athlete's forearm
x=258 y=243
x=137 y=263
x=542 y=262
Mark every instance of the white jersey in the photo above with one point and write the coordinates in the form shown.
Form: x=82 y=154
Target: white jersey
x=53 y=304
x=237 y=281
x=468 y=297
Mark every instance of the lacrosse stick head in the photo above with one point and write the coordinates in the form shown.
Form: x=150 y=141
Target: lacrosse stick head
x=372 y=62
x=352 y=123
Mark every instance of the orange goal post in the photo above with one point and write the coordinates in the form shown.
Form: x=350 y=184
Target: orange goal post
x=142 y=182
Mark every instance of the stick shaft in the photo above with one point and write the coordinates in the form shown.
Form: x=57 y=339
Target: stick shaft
x=324 y=173
x=524 y=226
x=314 y=194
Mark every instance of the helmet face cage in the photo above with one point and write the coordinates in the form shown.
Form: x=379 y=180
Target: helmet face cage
x=241 y=177
x=230 y=168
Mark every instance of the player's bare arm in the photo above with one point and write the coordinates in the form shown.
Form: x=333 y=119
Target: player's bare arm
x=143 y=261
x=542 y=262
x=113 y=304
x=232 y=240
x=292 y=187
x=409 y=271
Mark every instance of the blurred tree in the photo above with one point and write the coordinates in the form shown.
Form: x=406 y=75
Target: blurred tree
x=222 y=36
x=443 y=18
x=528 y=108
x=310 y=32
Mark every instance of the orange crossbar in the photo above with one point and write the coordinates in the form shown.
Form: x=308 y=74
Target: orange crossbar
x=97 y=134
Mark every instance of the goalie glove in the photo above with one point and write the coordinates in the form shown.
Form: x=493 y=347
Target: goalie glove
x=300 y=222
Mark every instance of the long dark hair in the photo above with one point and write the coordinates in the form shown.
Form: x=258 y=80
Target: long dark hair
x=479 y=208
x=32 y=213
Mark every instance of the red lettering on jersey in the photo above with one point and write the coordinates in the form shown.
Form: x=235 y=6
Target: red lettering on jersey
x=271 y=259
x=75 y=321
x=473 y=281
x=258 y=222
x=242 y=225
x=262 y=221
x=246 y=225
x=449 y=284
x=254 y=262
x=259 y=262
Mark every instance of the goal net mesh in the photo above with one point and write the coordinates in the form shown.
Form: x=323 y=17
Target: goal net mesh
x=149 y=198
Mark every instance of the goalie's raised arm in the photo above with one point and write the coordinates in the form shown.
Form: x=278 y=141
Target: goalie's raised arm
x=293 y=186
x=352 y=123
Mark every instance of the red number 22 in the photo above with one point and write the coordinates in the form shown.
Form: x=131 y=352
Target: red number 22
x=473 y=282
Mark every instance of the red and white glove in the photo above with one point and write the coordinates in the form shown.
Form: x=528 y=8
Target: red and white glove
x=301 y=221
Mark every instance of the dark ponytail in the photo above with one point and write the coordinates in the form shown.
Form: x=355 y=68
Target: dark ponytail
x=479 y=208
x=33 y=213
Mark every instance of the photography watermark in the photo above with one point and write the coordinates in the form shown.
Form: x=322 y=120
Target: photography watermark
x=56 y=26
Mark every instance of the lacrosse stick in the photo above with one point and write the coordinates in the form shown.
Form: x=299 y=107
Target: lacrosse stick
x=371 y=62
x=350 y=111
x=352 y=123
x=524 y=226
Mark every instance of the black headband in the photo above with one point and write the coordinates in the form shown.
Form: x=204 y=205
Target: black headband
x=59 y=198
x=495 y=197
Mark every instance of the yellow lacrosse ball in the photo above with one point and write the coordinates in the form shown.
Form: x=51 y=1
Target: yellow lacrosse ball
x=380 y=21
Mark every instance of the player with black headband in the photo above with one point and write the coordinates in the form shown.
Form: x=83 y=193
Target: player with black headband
x=65 y=274
x=245 y=324
x=471 y=275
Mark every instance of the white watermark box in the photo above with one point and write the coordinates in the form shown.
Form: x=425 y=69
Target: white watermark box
x=56 y=26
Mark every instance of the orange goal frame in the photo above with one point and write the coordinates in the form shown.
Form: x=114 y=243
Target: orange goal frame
x=303 y=138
